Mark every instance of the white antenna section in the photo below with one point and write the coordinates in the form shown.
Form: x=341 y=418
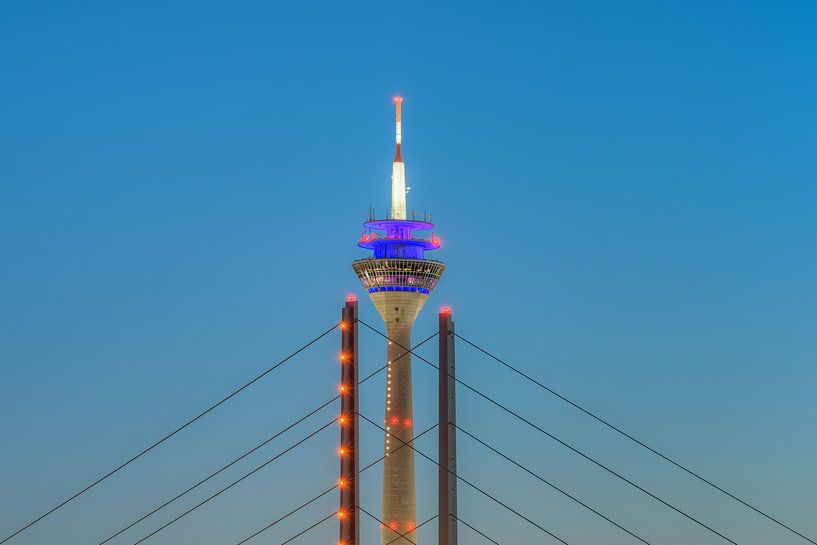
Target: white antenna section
x=398 y=172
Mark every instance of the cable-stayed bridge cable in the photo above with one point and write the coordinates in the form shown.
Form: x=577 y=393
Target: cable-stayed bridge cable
x=633 y=438
x=325 y=492
x=469 y=483
x=550 y=484
x=246 y=475
x=475 y=530
x=217 y=472
x=260 y=445
x=169 y=435
x=399 y=535
x=392 y=451
x=302 y=506
x=407 y=351
x=426 y=521
x=560 y=441
x=305 y=530
x=232 y=484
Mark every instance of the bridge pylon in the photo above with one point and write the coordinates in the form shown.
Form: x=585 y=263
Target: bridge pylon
x=447 y=455
x=348 y=515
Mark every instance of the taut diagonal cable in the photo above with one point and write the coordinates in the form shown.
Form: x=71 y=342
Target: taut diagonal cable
x=426 y=521
x=244 y=455
x=407 y=351
x=302 y=506
x=550 y=484
x=232 y=484
x=169 y=435
x=399 y=535
x=308 y=528
x=560 y=441
x=217 y=472
x=325 y=492
x=634 y=439
x=469 y=483
x=475 y=530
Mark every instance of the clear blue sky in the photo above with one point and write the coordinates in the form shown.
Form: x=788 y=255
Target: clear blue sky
x=626 y=196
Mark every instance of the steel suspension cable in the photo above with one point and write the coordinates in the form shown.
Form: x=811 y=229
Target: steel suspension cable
x=232 y=484
x=325 y=492
x=399 y=535
x=217 y=472
x=169 y=435
x=302 y=506
x=426 y=521
x=374 y=463
x=302 y=532
x=260 y=445
x=634 y=439
x=469 y=483
x=477 y=531
x=407 y=351
x=560 y=441
x=550 y=484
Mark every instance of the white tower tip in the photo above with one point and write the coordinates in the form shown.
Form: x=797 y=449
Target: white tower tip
x=398 y=169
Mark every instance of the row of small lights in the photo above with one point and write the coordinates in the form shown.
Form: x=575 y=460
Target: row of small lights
x=343 y=389
x=342 y=451
x=366 y=238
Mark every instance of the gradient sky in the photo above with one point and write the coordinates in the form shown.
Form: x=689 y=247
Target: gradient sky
x=626 y=197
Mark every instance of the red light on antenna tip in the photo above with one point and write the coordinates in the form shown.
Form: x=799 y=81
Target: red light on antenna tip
x=351 y=298
x=398 y=99
x=445 y=310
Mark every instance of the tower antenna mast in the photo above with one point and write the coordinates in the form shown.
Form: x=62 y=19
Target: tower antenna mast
x=398 y=168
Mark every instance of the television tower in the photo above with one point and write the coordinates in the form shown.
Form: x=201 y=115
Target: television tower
x=398 y=279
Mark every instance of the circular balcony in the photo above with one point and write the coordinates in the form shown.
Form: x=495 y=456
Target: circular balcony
x=385 y=225
x=412 y=275
x=372 y=240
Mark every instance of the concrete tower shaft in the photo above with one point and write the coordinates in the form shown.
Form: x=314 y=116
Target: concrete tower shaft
x=398 y=310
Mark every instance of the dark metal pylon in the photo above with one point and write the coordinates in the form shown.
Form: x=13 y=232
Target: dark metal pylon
x=348 y=515
x=447 y=480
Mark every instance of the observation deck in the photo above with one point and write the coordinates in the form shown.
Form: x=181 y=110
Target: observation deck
x=397 y=238
x=399 y=262
x=384 y=274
